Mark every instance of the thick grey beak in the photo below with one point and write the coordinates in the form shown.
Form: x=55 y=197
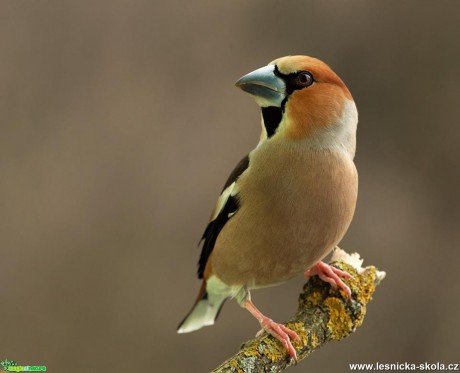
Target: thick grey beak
x=267 y=88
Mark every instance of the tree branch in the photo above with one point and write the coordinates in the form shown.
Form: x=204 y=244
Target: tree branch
x=324 y=315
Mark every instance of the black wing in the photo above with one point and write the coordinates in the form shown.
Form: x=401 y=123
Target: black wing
x=215 y=226
x=238 y=170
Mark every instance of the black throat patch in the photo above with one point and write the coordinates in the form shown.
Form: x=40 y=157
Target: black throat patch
x=272 y=117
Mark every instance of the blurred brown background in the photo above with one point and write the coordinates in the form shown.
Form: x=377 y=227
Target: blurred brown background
x=119 y=125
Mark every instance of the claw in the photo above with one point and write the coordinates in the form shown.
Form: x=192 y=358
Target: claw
x=330 y=275
x=279 y=331
x=282 y=334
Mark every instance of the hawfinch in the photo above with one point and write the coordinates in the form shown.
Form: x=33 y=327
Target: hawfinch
x=289 y=202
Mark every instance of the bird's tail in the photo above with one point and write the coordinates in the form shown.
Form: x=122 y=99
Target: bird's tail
x=204 y=312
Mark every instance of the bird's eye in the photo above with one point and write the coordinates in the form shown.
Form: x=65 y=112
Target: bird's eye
x=304 y=79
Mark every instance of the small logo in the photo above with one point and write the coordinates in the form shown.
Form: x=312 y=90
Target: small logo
x=8 y=363
x=12 y=366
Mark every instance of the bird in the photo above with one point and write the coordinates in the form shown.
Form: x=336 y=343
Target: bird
x=289 y=202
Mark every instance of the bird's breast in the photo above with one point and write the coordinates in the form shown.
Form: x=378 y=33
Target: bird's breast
x=295 y=206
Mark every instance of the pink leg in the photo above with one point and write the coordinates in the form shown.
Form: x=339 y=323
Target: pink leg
x=330 y=275
x=279 y=331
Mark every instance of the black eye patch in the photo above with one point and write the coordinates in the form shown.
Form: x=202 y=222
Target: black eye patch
x=296 y=81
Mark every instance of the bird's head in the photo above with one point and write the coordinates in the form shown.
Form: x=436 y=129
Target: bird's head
x=303 y=99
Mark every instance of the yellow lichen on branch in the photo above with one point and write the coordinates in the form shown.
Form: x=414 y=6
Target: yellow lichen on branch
x=324 y=315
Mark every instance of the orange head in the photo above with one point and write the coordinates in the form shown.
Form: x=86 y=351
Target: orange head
x=302 y=98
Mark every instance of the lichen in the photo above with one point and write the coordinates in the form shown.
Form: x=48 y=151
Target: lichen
x=252 y=349
x=273 y=349
x=367 y=286
x=314 y=340
x=248 y=364
x=299 y=328
x=232 y=366
x=364 y=293
x=339 y=324
x=362 y=286
x=314 y=298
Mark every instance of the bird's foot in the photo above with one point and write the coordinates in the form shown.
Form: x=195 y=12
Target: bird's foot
x=279 y=331
x=330 y=274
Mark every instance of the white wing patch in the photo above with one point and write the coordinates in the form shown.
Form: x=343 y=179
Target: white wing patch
x=222 y=200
